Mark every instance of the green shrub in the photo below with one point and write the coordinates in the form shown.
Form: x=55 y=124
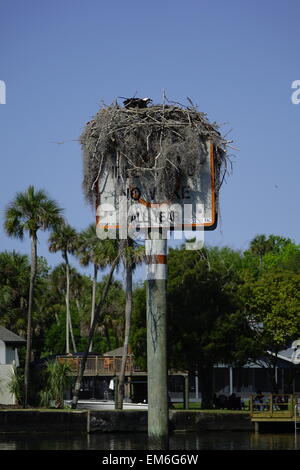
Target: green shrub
x=16 y=384
x=58 y=379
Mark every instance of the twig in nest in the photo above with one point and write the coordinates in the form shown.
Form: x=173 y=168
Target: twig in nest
x=159 y=138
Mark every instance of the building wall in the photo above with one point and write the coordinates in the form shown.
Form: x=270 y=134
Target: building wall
x=6 y=372
x=10 y=355
x=247 y=380
x=2 y=352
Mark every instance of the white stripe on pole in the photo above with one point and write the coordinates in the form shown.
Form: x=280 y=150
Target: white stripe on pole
x=156 y=270
x=155 y=247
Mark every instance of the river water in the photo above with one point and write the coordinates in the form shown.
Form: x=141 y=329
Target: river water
x=178 y=441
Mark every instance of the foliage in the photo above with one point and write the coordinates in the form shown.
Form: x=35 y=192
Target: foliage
x=223 y=305
x=14 y=285
x=138 y=335
x=31 y=211
x=287 y=259
x=273 y=301
x=270 y=248
x=63 y=238
x=49 y=313
x=91 y=249
x=80 y=285
x=58 y=379
x=16 y=384
x=45 y=398
x=112 y=319
x=205 y=326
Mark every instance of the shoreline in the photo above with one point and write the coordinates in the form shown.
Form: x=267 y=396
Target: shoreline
x=14 y=421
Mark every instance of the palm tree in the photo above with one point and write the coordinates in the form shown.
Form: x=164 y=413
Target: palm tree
x=58 y=284
x=132 y=254
x=99 y=252
x=30 y=212
x=65 y=239
x=112 y=321
x=259 y=246
x=14 y=286
x=97 y=317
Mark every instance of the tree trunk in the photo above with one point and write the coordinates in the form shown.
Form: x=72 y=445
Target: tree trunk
x=107 y=337
x=29 y=315
x=93 y=299
x=206 y=384
x=67 y=304
x=78 y=306
x=272 y=375
x=72 y=334
x=128 y=310
x=98 y=311
x=69 y=328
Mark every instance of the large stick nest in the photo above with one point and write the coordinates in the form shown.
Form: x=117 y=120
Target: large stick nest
x=159 y=145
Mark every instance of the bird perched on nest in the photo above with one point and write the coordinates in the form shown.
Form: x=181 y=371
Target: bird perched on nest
x=136 y=102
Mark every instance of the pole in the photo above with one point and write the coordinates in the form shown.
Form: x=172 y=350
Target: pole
x=67 y=300
x=197 y=387
x=230 y=380
x=186 y=392
x=116 y=389
x=156 y=256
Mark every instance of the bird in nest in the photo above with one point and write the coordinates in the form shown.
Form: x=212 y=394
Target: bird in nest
x=136 y=102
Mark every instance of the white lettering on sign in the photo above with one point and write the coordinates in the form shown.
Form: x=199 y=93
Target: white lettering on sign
x=193 y=205
x=2 y=92
x=296 y=94
x=137 y=217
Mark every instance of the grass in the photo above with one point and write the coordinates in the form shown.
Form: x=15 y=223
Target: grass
x=40 y=409
x=192 y=406
x=176 y=406
x=196 y=407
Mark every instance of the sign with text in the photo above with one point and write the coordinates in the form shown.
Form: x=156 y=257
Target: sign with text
x=192 y=208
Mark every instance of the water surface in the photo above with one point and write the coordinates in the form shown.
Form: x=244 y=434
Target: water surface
x=129 y=441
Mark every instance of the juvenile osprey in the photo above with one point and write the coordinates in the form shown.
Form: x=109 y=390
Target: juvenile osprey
x=136 y=102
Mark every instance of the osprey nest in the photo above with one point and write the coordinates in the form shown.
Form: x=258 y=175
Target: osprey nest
x=159 y=145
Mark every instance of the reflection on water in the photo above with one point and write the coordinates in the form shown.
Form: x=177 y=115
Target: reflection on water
x=178 y=441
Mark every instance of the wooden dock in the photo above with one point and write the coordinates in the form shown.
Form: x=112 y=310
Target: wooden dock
x=275 y=408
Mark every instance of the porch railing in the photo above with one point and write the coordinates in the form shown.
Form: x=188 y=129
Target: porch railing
x=99 y=365
x=272 y=406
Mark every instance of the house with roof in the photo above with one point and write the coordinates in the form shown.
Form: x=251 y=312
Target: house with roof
x=9 y=359
x=102 y=369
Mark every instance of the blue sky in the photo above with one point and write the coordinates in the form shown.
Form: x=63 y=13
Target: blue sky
x=235 y=59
